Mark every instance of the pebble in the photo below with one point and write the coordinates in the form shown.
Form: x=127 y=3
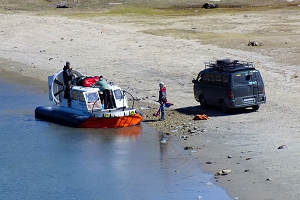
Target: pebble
x=223 y=172
x=163 y=141
x=209 y=184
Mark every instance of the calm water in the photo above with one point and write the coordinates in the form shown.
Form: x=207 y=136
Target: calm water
x=41 y=160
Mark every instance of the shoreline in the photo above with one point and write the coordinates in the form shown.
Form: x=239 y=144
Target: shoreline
x=244 y=142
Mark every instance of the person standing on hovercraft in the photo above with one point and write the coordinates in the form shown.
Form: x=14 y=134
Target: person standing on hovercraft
x=68 y=77
x=103 y=86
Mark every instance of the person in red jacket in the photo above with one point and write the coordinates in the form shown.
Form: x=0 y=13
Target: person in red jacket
x=162 y=100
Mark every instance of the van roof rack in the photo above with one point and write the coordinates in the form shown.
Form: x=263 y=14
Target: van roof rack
x=228 y=65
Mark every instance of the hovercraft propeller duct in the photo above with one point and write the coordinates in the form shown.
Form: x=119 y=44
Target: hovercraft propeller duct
x=59 y=83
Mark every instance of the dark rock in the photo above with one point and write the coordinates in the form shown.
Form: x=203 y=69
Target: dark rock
x=192 y=131
x=209 y=5
x=62 y=5
x=282 y=147
x=188 y=148
x=252 y=43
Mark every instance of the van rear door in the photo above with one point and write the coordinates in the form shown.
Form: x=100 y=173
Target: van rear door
x=245 y=88
x=258 y=85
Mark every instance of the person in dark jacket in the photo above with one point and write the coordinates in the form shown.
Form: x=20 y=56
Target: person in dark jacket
x=103 y=86
x=162 y=100
x=68 y=77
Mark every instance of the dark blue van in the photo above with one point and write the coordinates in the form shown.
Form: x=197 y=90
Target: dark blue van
x=229 y=84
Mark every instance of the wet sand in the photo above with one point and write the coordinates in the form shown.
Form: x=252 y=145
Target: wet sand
x=134 y=54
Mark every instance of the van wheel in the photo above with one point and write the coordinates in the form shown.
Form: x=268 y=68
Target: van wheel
x=224 y=107
x=203 y=103
x=255 y=108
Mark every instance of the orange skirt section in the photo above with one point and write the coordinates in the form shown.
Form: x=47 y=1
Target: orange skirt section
x=113 y=122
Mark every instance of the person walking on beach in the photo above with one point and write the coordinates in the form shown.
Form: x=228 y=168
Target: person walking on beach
x=162 y=99
x=68 y=77
x=103 y=86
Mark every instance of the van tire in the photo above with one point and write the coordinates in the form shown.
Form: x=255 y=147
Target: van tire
x=203 y=103
x=224 y=107
x=255 y=107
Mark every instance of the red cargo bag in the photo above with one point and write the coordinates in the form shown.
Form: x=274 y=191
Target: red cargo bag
x=89 y=81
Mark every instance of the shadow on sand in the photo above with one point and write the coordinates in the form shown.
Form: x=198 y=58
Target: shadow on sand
x=212 y=111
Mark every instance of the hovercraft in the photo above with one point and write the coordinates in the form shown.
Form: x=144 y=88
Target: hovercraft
x=85 y=109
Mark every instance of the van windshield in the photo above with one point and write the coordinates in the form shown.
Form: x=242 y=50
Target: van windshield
x=243 y=78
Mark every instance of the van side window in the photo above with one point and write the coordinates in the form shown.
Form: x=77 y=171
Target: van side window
x=219 y=78
x=243 y=78
x=213 y=79
x=207 y=77
x=224 y=80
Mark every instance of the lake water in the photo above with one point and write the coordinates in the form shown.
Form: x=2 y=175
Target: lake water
x=42 y=160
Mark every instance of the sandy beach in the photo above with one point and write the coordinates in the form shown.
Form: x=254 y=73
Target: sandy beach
x=137 y=52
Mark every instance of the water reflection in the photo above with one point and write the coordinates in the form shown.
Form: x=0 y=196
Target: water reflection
x=131 y=131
